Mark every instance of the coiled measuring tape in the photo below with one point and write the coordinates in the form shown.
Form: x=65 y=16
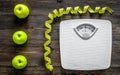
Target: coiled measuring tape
x=58 y=13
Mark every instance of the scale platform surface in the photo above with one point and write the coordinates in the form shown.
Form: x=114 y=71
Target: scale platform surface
x=85 y=44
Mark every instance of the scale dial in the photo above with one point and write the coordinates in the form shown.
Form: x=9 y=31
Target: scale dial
x=85 y=31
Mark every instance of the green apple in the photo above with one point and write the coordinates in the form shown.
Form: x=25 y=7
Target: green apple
x=19 y=37
x=19 y=62
x=21 y=11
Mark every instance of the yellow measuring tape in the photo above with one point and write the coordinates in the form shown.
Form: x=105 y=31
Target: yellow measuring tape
x=59 y=13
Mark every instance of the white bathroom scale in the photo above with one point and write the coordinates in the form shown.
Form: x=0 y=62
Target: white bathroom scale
x=85 y=44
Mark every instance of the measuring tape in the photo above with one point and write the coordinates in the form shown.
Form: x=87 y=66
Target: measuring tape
x=58 y=13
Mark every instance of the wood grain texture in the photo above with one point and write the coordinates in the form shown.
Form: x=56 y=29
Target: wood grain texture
x=34 y=26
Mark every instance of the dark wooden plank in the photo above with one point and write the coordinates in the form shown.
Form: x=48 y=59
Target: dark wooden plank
x=34 y=26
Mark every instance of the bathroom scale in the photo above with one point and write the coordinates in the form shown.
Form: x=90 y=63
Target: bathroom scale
x=85 y=44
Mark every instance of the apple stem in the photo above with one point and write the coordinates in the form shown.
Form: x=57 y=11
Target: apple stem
x=19 y=8
x=19 y=35
x=19 y=61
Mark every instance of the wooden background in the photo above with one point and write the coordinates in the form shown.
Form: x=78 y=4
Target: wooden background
x=34 y=26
